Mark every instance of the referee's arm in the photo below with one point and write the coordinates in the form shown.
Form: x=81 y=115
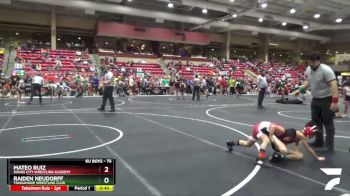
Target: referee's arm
x=305 y=86
x=335 y=95
x=334 y=88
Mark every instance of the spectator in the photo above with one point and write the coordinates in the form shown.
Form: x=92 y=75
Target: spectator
x=223 y=85
x=204 y=87
x=20 y=89
x=232 y=83
x=95 y=83
x=346 y=93
x=131 y=85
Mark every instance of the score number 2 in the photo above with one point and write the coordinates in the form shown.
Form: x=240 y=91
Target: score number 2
x=106 y=179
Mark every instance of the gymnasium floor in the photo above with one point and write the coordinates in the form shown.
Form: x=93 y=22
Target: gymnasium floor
x=165 y=146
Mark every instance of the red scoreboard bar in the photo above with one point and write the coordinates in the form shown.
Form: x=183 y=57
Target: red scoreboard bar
x=60 y=175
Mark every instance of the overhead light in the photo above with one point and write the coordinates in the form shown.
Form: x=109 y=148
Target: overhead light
x=129 y=0
x=79 y=38
x=305 y=27
x=58 y=39
x=292 y=11
x=339 y=20
x=204 y=11
x=170 y=5
x=264 y=5
x=234 y=15
x=317 y=16
x=17 y=33
x=336 y=52
x=232 y=0
x=284 y=23
x=261 y=19
x=212 y=49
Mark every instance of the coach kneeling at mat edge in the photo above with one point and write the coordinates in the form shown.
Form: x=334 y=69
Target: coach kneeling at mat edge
x=322 y=82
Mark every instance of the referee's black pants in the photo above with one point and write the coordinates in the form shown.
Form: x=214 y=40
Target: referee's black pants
x=323 y=116
x=108 y=94
x=195 y=91
x=261 y=96
x=36 y=87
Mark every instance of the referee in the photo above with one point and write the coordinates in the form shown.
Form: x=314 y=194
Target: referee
x=37 y=83
x=196 y=87
x=262 y=84
x=321 y=80
x=108 y=90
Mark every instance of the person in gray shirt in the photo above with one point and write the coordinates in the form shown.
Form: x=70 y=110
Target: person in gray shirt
x=262 y=84
x=196 y=87
x=321 y=80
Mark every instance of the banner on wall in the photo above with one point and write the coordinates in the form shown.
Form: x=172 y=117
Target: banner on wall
x=340 y=58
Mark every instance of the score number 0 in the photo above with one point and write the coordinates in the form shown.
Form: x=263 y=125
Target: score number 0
x=106 y=179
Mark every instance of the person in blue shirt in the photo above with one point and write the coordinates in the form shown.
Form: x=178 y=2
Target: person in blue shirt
x=95 y=83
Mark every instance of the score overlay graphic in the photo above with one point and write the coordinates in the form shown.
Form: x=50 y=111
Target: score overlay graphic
x=60 y=175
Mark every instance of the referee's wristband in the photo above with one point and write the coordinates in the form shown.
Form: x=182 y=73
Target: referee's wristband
x=335 y=99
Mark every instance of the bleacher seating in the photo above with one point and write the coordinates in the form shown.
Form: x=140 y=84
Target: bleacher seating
x=146 y=63
x=71 y=62
x=153 y=69
x=233 y=68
